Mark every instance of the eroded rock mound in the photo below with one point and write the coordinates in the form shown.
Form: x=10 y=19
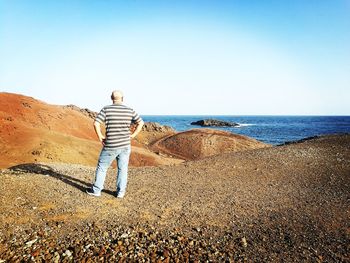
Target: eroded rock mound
x=153 y=131
x=214 y=123
x=199 y=143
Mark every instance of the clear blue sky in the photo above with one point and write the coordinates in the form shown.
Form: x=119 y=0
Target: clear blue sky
x=180 y=57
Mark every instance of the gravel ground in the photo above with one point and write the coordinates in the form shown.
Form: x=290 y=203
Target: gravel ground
x=288 y=203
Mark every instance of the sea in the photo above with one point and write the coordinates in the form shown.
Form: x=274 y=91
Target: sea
x=274 y=130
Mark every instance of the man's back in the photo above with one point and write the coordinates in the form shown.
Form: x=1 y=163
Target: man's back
x=116 y=144
x=117 y=118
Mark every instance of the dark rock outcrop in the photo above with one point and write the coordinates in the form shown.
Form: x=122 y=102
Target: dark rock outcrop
x=216 y=123
x=153 y=131
x=156 y=127
x=89 y=113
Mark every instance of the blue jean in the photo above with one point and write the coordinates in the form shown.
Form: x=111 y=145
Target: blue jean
x=106 y=158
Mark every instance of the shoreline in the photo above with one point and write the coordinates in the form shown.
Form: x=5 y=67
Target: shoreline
x=274 y=130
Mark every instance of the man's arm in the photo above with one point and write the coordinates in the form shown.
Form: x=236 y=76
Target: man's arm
x=137 y=130
x=97 y=127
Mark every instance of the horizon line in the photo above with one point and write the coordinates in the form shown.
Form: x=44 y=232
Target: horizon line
x=239 y=115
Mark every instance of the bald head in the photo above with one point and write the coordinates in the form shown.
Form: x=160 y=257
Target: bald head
x=117 y=96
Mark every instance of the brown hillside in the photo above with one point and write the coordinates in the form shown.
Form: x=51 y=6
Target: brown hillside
x=25 y=112
x=34 y=131
x=198 y=143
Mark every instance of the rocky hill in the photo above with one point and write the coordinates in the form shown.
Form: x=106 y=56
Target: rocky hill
x=33 y=131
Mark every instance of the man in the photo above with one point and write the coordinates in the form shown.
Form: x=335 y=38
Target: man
x=116 y=144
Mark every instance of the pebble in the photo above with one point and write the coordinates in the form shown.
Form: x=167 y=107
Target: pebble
x=88 y=246
x=125 y=235
x=166 y=253
x=67 y=253
x=56 y=258
x=30 y=243
x=244 y=242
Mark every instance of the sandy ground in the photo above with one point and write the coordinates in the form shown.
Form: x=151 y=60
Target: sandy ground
x=288 y=203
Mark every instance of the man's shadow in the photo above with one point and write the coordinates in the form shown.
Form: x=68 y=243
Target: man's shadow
x=47 y=170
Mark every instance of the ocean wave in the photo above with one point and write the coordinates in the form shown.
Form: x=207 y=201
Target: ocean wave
x=245 y=124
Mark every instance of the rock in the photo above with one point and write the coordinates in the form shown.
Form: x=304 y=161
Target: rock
x=68 y=253
x=125 y=235
x=86 y=112
x=216 y=123
x=153 y=131
x=102 y=251
x=166 y=253
x=88 y=246
x=30 y=243
x=26 y=105
x=244 y=242
x=36 y=253
x=156 y=127
x=36 y=152
x=56 y=258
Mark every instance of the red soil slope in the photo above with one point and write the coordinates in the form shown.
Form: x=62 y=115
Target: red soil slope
x=198 y=143
x=34 y=131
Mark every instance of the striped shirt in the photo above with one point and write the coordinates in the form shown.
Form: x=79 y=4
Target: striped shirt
x=117 y=118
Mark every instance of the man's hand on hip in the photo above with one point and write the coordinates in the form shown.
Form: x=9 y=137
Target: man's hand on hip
x=102 y=140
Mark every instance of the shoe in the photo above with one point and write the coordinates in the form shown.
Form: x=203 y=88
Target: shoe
x=120 y=196
x=91 y=192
